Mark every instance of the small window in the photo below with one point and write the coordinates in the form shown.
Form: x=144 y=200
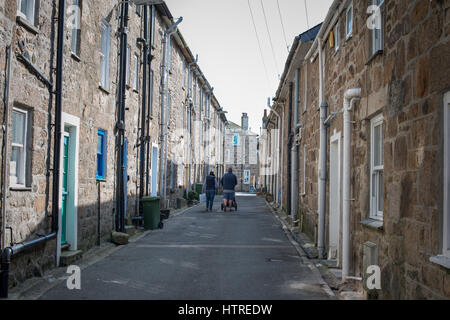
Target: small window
x=377 y=33
x=376 y=168
x=349 y=22
x=446 y=220
x=236 y=140
x=76 y=26
x=139 y=10
x=101 y=154
x=137 y=64
x=337 y=37
x=184 y=73
x=104 y=54
x=128 y=67
x=228 y=156
x=27 y=10
x=152 y=25
x=20 y=146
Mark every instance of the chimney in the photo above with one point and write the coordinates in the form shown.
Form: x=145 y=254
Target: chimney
x=244 y=122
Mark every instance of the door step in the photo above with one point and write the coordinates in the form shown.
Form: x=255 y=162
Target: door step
x=69 y=257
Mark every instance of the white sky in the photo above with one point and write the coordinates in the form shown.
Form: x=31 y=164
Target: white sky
x=221 y=32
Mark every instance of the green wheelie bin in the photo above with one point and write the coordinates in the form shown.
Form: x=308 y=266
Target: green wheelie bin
x=199 y=188
x=152 y=212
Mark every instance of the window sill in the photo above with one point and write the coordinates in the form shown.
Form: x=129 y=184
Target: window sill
x=20 y=189
x=75 y=56
x=373 y=224
x=101 y=180
x=376 y=54
x=443 y=261
x=27 y=24
x=104 y=89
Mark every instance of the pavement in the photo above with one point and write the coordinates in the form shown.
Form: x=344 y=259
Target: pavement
x=243 y=255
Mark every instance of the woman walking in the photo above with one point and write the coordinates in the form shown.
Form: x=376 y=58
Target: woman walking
x=210 y=186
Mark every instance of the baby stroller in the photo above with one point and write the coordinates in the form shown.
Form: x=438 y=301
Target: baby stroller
x=233 y=205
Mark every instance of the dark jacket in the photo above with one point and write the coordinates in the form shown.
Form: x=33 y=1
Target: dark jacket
x=229 y=181
x=210 y=183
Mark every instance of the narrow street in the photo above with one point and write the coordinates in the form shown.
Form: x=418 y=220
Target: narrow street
x=200 y=255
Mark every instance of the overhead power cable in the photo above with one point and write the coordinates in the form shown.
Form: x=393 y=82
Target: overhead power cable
x=270 y=38
x=259 y=44
x=282 y=25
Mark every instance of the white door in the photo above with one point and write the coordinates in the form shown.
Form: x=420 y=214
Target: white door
x=335 y=197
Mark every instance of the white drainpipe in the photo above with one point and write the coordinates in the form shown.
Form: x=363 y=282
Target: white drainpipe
x=294 y=168
x=277 y=165
x=350 y=97
x=164 y=86
x=322 y=158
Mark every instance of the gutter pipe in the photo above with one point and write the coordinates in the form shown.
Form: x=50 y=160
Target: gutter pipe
x=5 y=146
x=276 y=165
x=322 y=158
x=350 y=97
x=120 y=126
x=144 y=134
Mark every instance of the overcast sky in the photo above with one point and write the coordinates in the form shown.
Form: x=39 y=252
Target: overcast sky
x=221 y=32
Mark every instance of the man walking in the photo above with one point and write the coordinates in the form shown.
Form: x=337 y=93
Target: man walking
x=229 y=182
x=209 y=187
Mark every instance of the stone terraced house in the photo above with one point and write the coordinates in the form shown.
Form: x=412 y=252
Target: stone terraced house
x=364 y=103
x=89 y=145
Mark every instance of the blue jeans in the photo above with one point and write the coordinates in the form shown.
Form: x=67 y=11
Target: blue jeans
x=210 y=195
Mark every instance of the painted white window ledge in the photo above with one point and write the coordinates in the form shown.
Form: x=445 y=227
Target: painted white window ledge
x=372 y=223
x=441 y=260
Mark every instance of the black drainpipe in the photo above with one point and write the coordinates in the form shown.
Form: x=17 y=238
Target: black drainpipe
x=289 y=155
x=120 y=217
x=13 y=250
x=143 y=140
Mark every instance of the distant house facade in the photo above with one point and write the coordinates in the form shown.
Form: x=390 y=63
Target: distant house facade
x=241 y=154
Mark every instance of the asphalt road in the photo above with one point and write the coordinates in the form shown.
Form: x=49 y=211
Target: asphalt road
x=200 y=255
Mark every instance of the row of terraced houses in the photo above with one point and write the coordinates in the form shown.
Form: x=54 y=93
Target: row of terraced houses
x=151 y=128
x=359 y=128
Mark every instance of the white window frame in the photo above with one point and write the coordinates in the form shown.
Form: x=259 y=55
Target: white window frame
x=349 y=33
x=374 y=212
x=22 y=174
x=75 y=45
x=128 y=67
x=337 y=37
x=28 y=13
x=228 y=155
x=378 y=45
x=105 y=56
x=238 y=140
x=446 y=212
x=137 y=63
x=305 y=107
